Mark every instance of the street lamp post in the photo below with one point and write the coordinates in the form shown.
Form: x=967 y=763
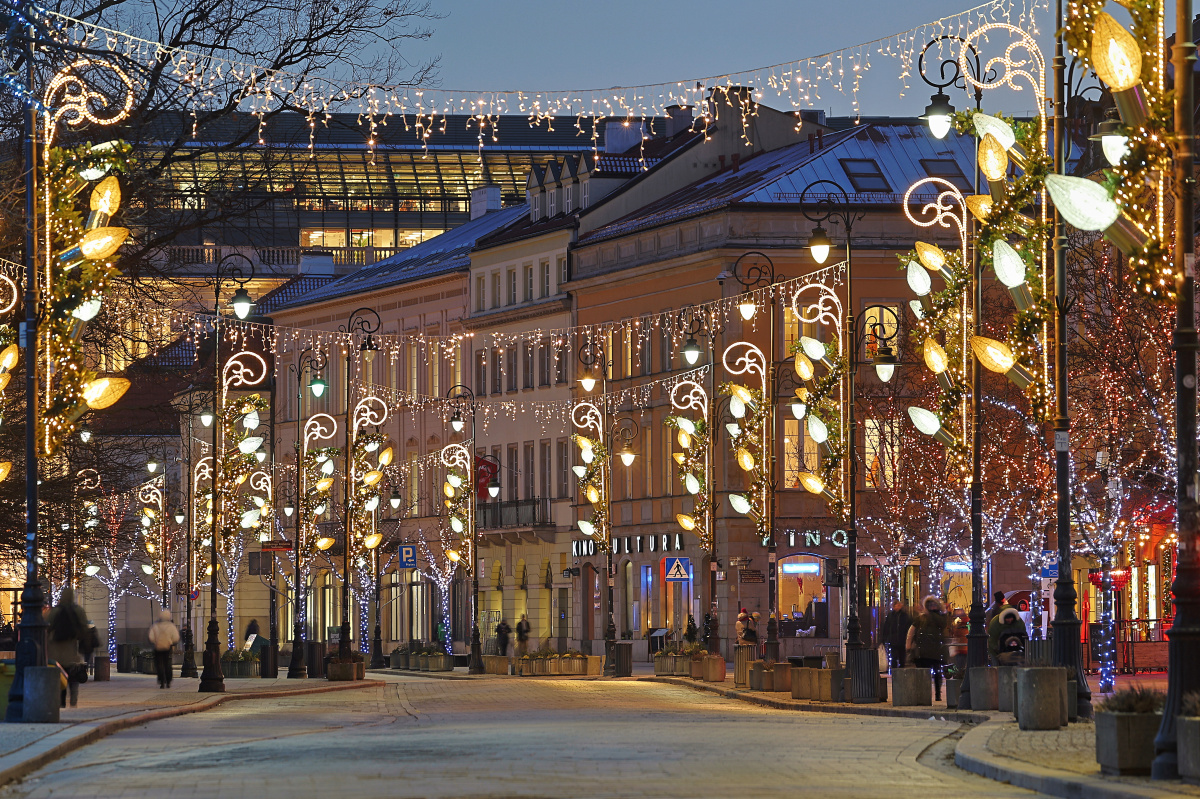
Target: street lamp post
x=365 y=322
x=594 y=416
x=211 y=678
x=462 y=399
x=315 y=361
x=377 y=661
x=708 y=325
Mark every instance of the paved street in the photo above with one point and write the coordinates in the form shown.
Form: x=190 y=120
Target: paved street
x=509 y=737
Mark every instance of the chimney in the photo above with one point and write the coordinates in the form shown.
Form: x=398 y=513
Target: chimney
x=620 y=135
x=484 y=200
x=679 y=118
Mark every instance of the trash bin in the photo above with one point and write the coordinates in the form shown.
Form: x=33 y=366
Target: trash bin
x=314 y=658
x=100 y=668
x=624 y=656
x=124 y=658
x=864 y=675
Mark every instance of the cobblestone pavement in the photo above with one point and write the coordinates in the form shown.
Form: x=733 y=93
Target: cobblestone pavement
x=508 y=738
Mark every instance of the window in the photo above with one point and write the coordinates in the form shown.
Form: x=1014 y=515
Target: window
x=435 y=370
x=497 y=373
x=551 y=203
x=865 y=174
x=881 y=447
x=791 y=329
x=669 y=466
x=529 y=473
x=793 y=453
x=884 y=322
x=566 y=199
x=460 y=357
x=547 y=468
x=583 y=194
x=564 y=469
x=664 y=346
x=562 y=272
x=560 y=363
x=512 y=287
x=644 y=356
x=535 y=206
x=495 y=289
x=514 y=469
x=510 y=366
x=527 y=365
x=480 y=293
x=413 y=378
x=545 y=278
x=528 y=283
x=947 y=169
x=544 y=363
x=481 y=386
x=413 y=487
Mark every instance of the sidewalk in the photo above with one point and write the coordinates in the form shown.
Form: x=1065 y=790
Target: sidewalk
x=129 y=700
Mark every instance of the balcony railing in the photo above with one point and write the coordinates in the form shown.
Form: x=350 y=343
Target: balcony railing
x=518 y=513
x=272 y=259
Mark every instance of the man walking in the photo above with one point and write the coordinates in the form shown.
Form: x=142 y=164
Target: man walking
x=163 y=636
x=895 y=633
x=522 y=641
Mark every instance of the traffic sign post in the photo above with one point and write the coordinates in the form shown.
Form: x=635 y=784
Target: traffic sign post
x=679 y=570
x=407 y=553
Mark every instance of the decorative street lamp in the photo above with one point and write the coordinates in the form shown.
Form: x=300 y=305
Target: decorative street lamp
x=313 y=361
x=462 y=399
x=364 y=322
x=596 y=442
x=212 y=680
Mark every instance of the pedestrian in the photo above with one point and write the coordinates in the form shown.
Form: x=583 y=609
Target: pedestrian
x=997 y=605
x=67 y=624
x=502 y=633
x=895 y=633
x=926 y=641
x=1006 y=638
x=163 y=636
x=88 y=646
x=752 y=629
x=741 y=628
x=259 y=643
x=522 y=641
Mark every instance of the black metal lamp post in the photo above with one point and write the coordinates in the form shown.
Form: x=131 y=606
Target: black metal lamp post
x=211 y=678
x=708 y=326
x=951 y=75
x=314 y=361
x=462 y=400
x=377 y=661
x=364 y=322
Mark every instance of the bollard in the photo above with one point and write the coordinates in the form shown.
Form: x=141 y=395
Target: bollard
x=1040 y=697
x=912 y=687
x=985 y=688
x=799 y=683
x=743 y=654
x=1005 y=676
x=782 y=678
x=829 y=685
x=43 y=694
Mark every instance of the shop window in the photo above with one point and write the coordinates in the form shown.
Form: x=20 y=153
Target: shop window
x=803 y=602
x=882 y=451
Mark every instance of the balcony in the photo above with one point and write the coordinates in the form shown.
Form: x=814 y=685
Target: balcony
x=517 y=520
x=201 y=258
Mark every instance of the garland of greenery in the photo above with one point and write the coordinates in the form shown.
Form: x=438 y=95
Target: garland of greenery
x=694 y=462
x=751 y=431
x=312 y=463
x=600 y=518
x=364 y=445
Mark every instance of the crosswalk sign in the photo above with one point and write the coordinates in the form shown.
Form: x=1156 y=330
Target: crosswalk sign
x=408 y=556
x=679 y=570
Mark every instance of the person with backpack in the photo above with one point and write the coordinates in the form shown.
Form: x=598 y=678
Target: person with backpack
x=926 y=642
x=163 y=636
x=1006 y=638
x=67 y=624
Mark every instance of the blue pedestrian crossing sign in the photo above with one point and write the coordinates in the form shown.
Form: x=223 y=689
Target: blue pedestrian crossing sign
x=408 y=556
x=679 y=570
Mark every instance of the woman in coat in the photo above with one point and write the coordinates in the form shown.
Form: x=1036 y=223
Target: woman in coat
x=926 y=643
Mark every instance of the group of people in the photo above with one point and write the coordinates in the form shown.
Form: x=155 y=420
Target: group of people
x=933 y=637
x=504 y=635
x=746 y=628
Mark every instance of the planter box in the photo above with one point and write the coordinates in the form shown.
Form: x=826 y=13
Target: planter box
x=683 y=666
x=714 y=668
x=781 y=677
x=539 y=666
x=696 y=669
x=576 y=666
x=1125 y=742
x=496 y=664
x=423 y=662
x=240 y=668
x=755 y=676
x=554 y=666
x=595 y=665
x=664 y=666
x=342 y=672
x=145 y=664
x=441 y=662
x=1187 y=731
x=399 y=660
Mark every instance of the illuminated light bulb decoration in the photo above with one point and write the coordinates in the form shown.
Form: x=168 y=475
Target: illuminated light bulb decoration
x=1117 y=59
x=1010 y=270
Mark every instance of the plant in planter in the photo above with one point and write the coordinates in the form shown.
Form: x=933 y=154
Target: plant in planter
x=574 y=662
x=954 y=678
x=690 y=633
x=663 y=664
x=1187 y=731
x=695 y=654
x=398 y=659
x=683 y=661
x=1126 y=724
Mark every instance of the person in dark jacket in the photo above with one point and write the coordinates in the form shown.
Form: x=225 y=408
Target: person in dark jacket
x=998 y=604
x=926 y=641
x=895 y=633
x=88 y=646
x=1006 y=638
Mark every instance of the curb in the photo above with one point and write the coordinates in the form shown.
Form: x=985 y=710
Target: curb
x=761 y=698
x=446 y=675
x=16 y=765
x=971 y=754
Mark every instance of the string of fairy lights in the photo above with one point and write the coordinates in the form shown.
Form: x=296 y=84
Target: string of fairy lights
x=205 y=79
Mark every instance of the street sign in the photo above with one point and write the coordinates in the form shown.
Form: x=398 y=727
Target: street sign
x=679 y=570
x=751 y=576
x=195 y=594
x=408 y=556
x=277 y=546
x=1050 y=569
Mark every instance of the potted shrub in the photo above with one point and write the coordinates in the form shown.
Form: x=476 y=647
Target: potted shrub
x=695 y=659
x=1126 y=724
x=953 y=685
x=553 y=664
x=423 y=659
x=346 y=670
x=574 y=662
x=713 y=668
x=661 y=666
x=144 y=660
x=683 y=661
x=440 y=661
x=1187 y=731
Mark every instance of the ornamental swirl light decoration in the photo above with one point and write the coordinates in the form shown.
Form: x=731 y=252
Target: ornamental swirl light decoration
x=695 y=462
x=749 y=434
x=71 y=99
x=244 y=369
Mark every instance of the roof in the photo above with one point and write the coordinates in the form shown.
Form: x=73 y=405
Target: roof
x=290 y=291
x=179 y=354
x=449 y=252
x=780 y=176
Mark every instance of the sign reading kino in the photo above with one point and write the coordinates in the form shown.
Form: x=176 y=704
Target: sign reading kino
x=813 y=538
